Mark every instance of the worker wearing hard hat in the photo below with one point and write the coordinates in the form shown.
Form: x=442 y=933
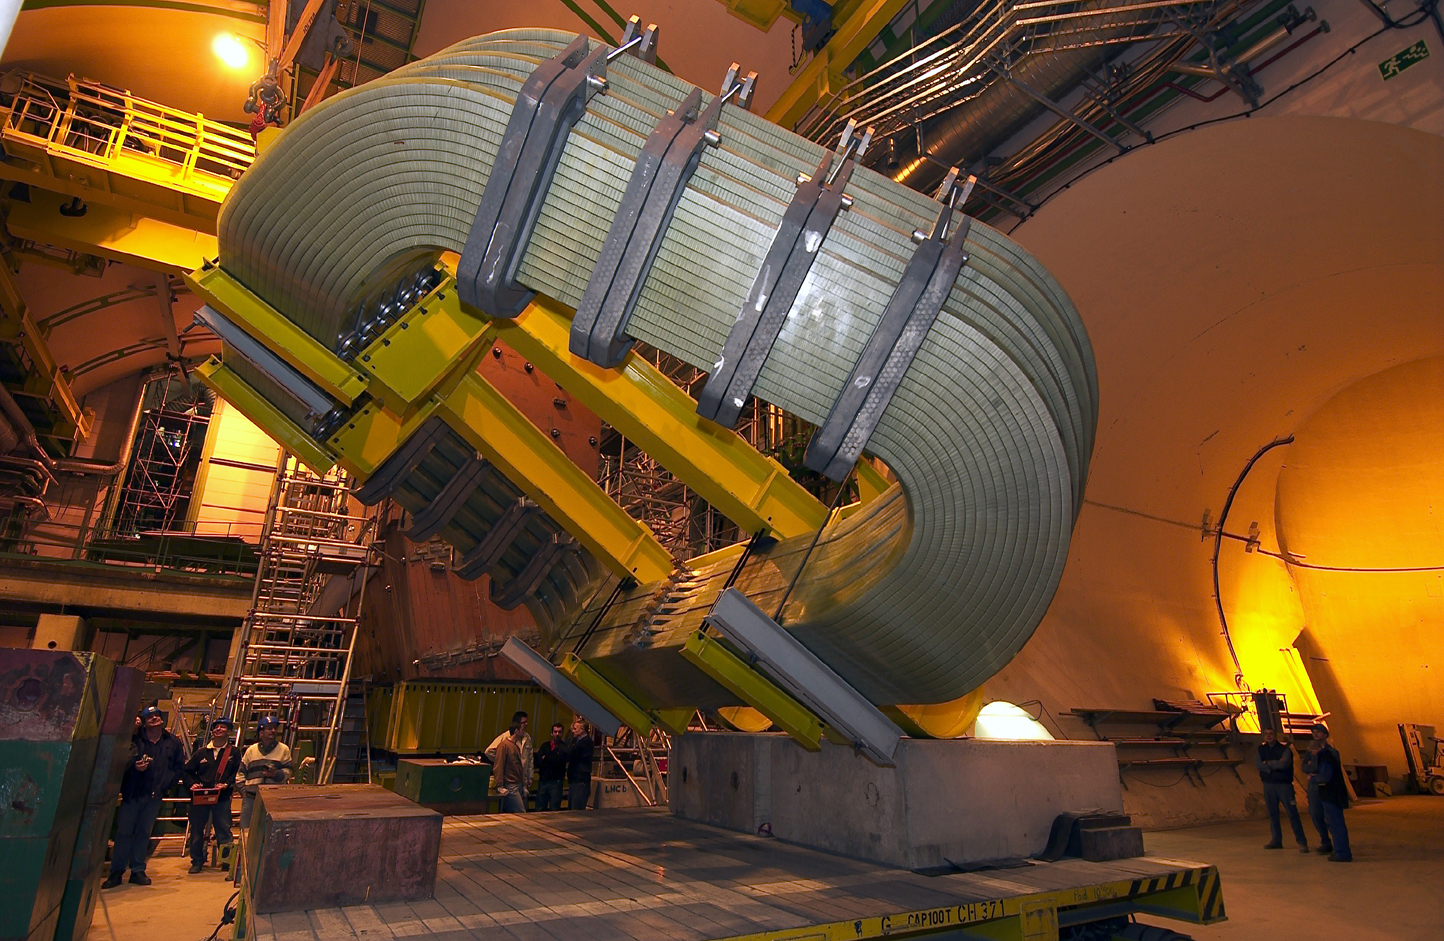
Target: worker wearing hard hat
x=268 y=761
x=155 y=763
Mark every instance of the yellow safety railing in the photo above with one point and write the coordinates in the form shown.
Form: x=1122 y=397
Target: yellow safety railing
x=65 y=127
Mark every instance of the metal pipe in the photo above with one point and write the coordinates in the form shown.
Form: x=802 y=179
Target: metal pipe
x=74 y=466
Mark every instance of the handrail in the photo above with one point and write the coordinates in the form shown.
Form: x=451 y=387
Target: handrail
x=91 y=122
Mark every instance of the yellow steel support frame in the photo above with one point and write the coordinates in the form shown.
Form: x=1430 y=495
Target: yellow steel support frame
x=858 y=22
x=278 y=333
x=264 y=415
x=745 y=486
x=532 y=461
x=429 y=354
x=713 y=657
x=620 y=704
x=45 y=379
x=127 y=237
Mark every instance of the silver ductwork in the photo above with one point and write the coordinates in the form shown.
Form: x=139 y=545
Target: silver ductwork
x=1052 y=65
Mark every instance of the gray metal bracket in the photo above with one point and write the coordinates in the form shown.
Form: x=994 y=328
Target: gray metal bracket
x=498 y=539
x=306 y=393
x=449 y=500
x=806 y=678
x=800 y=235
x=555 y=682
x=909 y=315
x=551 y=101
x=402 y=462
x=510 y=595
x=640 y=42
x=665 y=165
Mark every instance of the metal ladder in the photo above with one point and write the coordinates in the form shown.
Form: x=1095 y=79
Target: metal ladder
x=292 y=659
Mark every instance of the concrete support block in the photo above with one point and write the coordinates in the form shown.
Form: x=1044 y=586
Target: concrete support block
x=59 y=632
x=960 y=801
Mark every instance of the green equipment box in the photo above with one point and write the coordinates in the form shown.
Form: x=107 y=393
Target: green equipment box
x=447 y=786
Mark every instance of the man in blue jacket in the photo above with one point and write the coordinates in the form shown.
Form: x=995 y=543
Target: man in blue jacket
x=1333 y=793
x=155 y=764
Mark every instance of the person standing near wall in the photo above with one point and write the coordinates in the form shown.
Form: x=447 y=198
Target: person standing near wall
x=268 y=761
x=551 y=766
x=1309 y=765
x=155 y=764
x=1275 y=762
x=524 y=744
x=508 y=771
x=210 y=773
x=579 y=765
x=1333 y=794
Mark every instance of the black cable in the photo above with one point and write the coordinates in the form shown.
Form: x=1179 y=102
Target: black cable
x=1247 y=112
x=228 y=915
x=1218 y=545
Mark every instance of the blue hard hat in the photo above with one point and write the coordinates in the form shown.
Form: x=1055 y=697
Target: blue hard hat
x=220 y=720
x=149 y=711
x=268 y=722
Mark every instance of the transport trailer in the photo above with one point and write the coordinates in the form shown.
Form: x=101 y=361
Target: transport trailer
x=644 y=875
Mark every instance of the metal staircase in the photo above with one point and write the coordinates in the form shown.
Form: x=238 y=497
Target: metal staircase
x=293 y=658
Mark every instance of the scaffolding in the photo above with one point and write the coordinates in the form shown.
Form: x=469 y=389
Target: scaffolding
x=292 y=655
x=159 y=484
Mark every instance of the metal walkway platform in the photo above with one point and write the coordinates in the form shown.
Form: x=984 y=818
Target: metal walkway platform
x=643 y=875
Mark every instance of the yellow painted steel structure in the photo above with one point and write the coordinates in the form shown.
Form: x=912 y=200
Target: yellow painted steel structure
x=453 y=717
x=45 y=379
x=107 y=146
x=749 y=488
x=425 y=365
x=858 y=22
x=131 y=238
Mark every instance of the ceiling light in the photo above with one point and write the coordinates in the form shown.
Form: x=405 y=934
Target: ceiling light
x=230 y=50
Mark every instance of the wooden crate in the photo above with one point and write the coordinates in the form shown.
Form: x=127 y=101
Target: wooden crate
x=339 y=844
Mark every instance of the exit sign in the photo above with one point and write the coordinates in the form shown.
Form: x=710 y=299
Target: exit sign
x=1400 y=61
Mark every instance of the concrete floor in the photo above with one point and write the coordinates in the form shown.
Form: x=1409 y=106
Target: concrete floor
x=174 y=907
x=1393 y=891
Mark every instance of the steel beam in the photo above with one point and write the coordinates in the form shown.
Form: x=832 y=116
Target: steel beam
x=612 y=699
x=806 y=678
x=822 y=76
x=563 y=687
x=278 y=333
x=532 y=461
x=747 y=487
x=264 y=415
x=118 y=234
x=45 y=379
x=713 y=657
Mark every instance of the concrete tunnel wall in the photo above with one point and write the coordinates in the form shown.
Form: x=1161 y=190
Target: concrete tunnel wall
x=1233 y=281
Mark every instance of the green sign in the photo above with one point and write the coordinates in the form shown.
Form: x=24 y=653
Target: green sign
x=1400 y=61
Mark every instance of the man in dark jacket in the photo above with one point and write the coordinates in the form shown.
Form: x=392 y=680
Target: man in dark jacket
x=155 y=764
x=579 y=765
x=210 y=775
x=1275 y=763
x=551 y=766
x=1333 y=793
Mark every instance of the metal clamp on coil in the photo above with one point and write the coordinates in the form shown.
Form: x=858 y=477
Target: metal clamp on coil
x=664 y=167
x=909 y=315
x=804 y=227
x=551 y=101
